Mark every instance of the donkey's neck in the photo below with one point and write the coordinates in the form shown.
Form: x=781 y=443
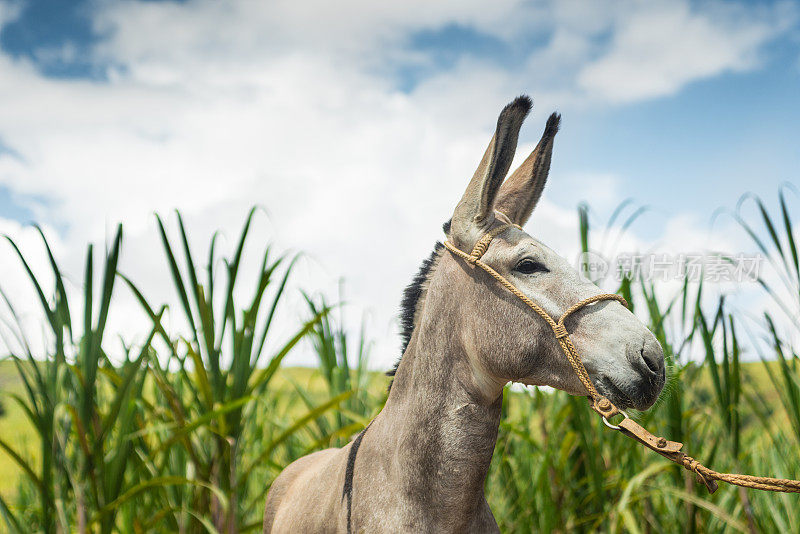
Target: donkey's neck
x=444 y=428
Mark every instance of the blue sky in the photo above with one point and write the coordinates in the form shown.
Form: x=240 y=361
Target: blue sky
x=362 y=111
x=51 y=24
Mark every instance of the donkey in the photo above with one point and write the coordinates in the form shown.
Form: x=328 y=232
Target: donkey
x=420 y=465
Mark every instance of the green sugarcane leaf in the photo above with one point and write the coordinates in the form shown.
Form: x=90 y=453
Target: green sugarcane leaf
x=11 y=521
x=296 y=425
x=25 y=466
x=193 y=425
x=262 y=379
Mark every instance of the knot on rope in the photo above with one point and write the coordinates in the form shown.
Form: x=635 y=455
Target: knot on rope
x=560 y=331
x=480 y=248
x=706 y=476
x=483 y=243
x=690 y=463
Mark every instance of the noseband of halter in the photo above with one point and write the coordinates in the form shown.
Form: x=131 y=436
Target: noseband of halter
x=602 y=405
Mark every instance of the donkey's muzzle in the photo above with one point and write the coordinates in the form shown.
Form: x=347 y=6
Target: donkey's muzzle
x=647 y=359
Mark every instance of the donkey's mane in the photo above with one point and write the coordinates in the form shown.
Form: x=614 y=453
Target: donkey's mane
x=412 y=295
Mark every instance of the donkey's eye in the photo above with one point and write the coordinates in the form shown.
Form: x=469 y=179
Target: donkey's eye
x=527 y=266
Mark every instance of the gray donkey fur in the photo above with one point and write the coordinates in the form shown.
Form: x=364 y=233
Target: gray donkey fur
x=421 y=464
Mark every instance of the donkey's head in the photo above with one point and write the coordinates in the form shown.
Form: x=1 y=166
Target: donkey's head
x=502 y=339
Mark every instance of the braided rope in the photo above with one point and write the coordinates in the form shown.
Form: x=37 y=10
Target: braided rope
x=601 y=404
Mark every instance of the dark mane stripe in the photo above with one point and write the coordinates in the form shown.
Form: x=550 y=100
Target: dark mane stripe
x=411 y=298
x=410 y=301
x=412 y=294
x=347 y=490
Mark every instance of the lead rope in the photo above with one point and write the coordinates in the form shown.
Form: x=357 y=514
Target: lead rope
x=670 y=450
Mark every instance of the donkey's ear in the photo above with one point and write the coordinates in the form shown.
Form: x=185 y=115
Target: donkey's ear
x=524 y=187
x=476 y=208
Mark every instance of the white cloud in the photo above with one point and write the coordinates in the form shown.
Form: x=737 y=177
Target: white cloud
x=212 y=107
x=658 y=48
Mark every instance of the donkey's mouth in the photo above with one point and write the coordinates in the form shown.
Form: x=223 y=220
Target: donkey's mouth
x=639 y=395
x=619 y=397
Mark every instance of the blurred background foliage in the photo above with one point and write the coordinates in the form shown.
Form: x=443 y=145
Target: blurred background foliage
x=186 y=434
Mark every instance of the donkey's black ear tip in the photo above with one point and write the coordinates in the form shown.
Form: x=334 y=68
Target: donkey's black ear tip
x=522 y=104
x=523 y=101
x=553 y=123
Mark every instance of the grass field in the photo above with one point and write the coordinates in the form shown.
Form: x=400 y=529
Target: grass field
x=17 y=429
x=14 y=427
x=521 y=411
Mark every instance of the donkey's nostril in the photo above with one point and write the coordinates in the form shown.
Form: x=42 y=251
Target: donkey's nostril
x=647 y=358
x=647 y=366
x=653 y=358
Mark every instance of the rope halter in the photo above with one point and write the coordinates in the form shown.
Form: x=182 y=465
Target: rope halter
x=602 y=405
x=558 y=327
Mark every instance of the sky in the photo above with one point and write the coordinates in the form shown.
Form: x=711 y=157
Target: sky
x=356 y=126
